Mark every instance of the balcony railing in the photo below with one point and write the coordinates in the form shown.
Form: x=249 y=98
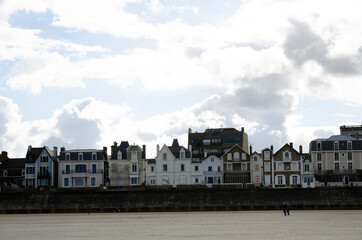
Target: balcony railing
x=88 y=171
x=340 y=171
x=212 y=173
x=43 y=175
x=236 y=171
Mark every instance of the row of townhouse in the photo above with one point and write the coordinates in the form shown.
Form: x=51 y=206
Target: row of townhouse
x=216 y=156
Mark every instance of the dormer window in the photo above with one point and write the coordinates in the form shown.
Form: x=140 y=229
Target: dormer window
x=67 y=156
x=119 y=155
x=349 y=145
x=286 y=155
x=182 y=154
x=80 y=156
x=336 y=146
x=94 y=156
x=319 y=146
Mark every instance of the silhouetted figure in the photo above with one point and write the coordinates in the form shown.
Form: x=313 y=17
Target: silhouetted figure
x=285 y=209
x=288 y=208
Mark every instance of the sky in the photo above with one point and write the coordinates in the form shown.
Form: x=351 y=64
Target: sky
x=86 y=73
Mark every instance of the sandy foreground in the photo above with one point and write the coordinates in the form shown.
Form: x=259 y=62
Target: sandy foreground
x=345 y=225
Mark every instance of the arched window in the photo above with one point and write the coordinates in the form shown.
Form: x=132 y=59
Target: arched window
x=119 y=155
x=236 y=156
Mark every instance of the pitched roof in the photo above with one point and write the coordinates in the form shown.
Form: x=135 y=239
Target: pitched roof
x=176 y=148
x=123 y=148
x=33 y=153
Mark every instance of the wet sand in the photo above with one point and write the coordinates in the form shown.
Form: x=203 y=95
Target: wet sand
x=190 y=225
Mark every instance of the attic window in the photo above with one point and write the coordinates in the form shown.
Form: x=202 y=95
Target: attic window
x=94 y=156
x=119 y=155
x=44 y=159
x=80 y=156
x=182 y=154
x=67 y=157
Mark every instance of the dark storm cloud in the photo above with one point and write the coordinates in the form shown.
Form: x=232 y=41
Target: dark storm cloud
x=302 y=45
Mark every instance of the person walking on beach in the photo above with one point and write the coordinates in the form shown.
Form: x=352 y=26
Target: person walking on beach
x=285 y=209
x=288 y=208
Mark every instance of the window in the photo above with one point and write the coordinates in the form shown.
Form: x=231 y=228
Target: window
x=266 y=155
x=286 y=155
x=134 y=155
x=206 y=142
x=336 y=156
x=336 y=166
x=196 y=168
x=44 y=171
x=30 y=170
x=134 y=181
x=267 y=167
x=182 y=167
x=94 y=156
x=229 y=167
x=255 y=159
x=209 y=168
x=306 y=168
x=5 y=173
x=134 y=168
x=66 y=182
x=236 y=156
x=165 y=167
x=23 y=173
x=229 y=156
x=319 y=156
x=67 y=169
x=280 y=180
x=280 y=167
x=350 y=156
x=212 y=159
x=44 y=159
x=79 y=181
x=319 y=166
x=295 y=166
x=80 y=156
x=349 y=145
x=152 y=181
x=319 y=146
x=164 y=156
x=119 y=155
x=182 y=154
x=336 y=146
x=93 y=181
x=218 y=168
x=94 y=168
x=295 y=179
x=196 y=180
x=243 y=167
x=350 y=166
x=80 y=168
x=243 y=156
x=152 y=169
x=67 y=157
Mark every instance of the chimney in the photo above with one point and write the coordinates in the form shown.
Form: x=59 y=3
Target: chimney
x=29 y=148
x=55 y=150
x=62 y=149
x=242 y=129
x=190 y=131
x=300 y=149
x=291 y=144
x=113 y=148
x=251 y=149
x=143 y=151
x=271 y=148
x=158 y=149
x=105 y=152
x=4 y=154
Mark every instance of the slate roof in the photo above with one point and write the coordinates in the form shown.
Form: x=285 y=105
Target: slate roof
x=33 y=154
x=123 y=148
x=175 y=149
x=328 y=143
x=87 y=154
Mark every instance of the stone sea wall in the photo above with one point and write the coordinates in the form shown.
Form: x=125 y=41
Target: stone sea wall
x=200 y=199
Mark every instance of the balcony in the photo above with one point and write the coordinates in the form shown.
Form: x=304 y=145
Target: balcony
x=212 y=173
x=340 y=171
x=43 y=175
x=89 y=171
